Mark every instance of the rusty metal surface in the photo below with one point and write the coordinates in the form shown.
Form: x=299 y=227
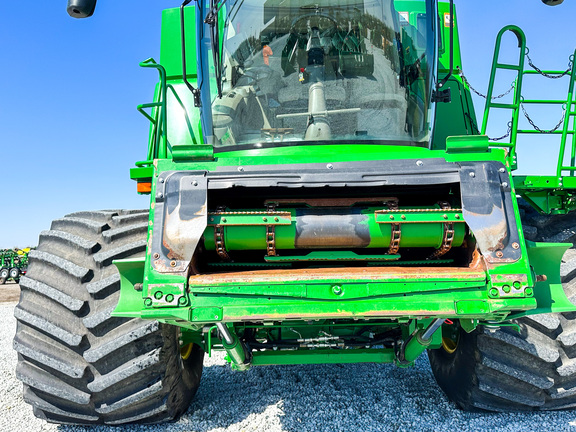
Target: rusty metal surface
x=180 y=218
x=488 y=210
x=364 y=274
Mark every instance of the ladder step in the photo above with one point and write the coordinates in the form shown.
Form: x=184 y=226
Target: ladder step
x=540 y=101
x=549 y=72
x=501 y=105
x=508 y=66
x=532 y=131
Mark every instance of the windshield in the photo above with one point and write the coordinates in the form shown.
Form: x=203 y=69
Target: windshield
x=330 y=71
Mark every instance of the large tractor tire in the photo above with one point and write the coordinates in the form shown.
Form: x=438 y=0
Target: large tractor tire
x=78 y=364
x=14 y=273
x=503 y=370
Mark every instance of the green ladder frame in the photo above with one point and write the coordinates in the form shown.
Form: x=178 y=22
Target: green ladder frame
x=548 y=194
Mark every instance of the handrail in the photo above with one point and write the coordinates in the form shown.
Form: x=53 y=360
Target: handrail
x=159 y=118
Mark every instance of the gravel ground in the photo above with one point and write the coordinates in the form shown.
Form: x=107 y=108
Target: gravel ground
x=295 y=398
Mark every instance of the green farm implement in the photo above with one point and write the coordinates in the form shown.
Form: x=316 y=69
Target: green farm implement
x=320 y=192
x=13 y=264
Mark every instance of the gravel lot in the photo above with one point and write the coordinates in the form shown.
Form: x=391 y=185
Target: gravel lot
x=295 y=398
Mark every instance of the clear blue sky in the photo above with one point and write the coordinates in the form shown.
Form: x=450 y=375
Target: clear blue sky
x=69 y=89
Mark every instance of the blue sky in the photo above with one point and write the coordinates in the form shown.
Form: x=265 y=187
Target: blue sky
x=69 y=126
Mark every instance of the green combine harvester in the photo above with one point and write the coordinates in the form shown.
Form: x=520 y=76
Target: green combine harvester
x=13 y=264
x=320 y=193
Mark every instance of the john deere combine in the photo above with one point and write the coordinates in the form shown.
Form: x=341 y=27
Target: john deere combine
x=320 y=193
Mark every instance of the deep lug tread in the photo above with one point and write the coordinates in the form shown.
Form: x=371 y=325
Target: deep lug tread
x=52 y=355
x=80 y=365
x=86 y=246
x=126 y=231
x=104 y=216
x=80 y=274
x=105 y=258
x=64 y=332
x=47 y=407
x=113 y=343
x=42 y=380
x=75 y=225
x=129 y=219
x=125 y=371
x=52 y=293
x=111 y=283
x=152 y=391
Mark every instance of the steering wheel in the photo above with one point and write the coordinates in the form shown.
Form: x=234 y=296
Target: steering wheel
x=322 y=21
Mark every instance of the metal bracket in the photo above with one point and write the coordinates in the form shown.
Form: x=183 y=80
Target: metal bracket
x=180 y=218
x=488 y=210
x=395 y=231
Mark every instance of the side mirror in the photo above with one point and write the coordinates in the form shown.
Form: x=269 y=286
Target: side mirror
x=552 y=2
x=81 y=8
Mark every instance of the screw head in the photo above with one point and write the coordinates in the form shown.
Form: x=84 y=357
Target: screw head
x=502 y=170
x=161 y=180
x=158 y=295
x=337 y=290
x=506 y=288
x=529 y=291
x=156 y=255
x=241 y=169
x=494 y=292
x=169 y=298
x=472 y=174
x=515 y=245
x=182 y=300
x=195 y=183
x=504 y=184
x=265 y=219
x=419 y=163
x=330 y=166
x=172 y=263
x=276 y=219
x=499 y=254
x=391 y=217
x=148 y=301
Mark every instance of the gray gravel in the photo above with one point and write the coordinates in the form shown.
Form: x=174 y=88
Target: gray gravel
x=295 y=398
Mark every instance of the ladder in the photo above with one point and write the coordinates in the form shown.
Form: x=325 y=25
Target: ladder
x=550 y=194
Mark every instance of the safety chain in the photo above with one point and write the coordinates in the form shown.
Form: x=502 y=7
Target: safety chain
x=537 y=69
x=542 y=130
x=219 y=237
x=461 y=73
x=396 y=232
x=448 y=235
x=503 y=136
x=270 y=233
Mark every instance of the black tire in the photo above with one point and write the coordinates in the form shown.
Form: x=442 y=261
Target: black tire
x=78 y=364
x=14 y=273
x=4 y=274
x=503 y=370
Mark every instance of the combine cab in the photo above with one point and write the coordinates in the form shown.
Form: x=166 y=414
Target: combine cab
x=320 y=193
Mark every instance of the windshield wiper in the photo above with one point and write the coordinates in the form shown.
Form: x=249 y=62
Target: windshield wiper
x=212 y=20
x=195 y=91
